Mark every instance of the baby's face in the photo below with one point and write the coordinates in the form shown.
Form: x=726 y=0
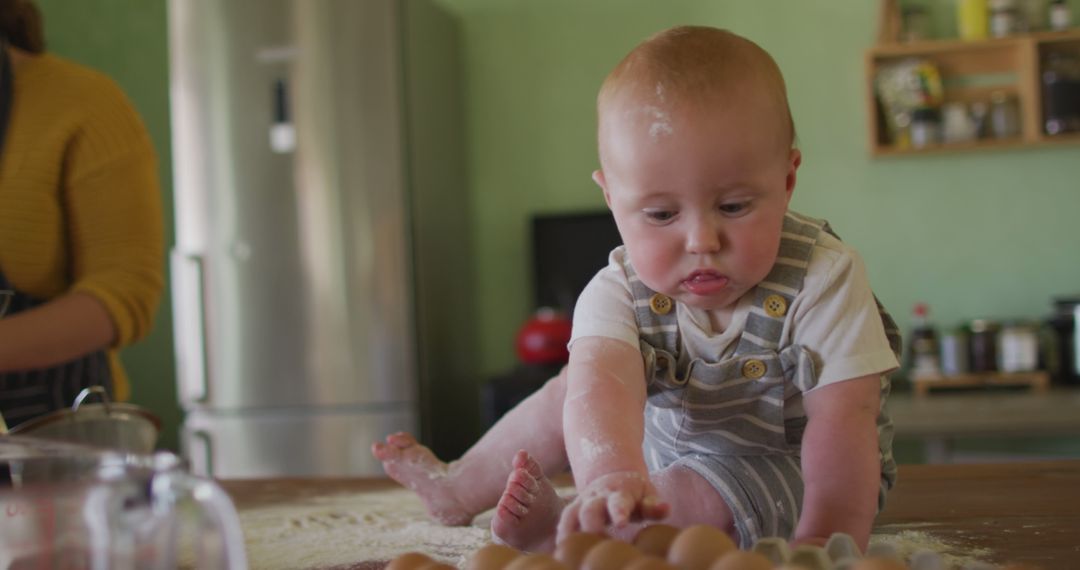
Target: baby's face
x=699 y=198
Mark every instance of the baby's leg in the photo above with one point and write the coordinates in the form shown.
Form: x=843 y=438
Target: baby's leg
x=749 y=497
x=528 y=511
x=693 y=499
x=455 y=492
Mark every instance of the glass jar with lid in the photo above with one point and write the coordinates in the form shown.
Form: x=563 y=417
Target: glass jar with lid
x=925 y=129
x=1004 y=18
x=1004 y=115
x=1018 y=347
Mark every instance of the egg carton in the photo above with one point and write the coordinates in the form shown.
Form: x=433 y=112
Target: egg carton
x=694 y=547
x=841 y=553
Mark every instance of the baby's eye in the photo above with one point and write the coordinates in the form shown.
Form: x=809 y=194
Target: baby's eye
x=735 y=208
x=659 y=215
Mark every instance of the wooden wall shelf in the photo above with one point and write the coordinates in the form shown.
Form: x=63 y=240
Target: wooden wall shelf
x=971 y=71
x=1037 y=381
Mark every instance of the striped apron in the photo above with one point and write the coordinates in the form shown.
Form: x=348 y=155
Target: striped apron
x=26 y=394
x=725 y=420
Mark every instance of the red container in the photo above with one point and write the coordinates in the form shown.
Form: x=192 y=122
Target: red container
x=543 y=338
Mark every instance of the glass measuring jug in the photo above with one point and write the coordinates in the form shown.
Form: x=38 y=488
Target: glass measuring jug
x=116 y=511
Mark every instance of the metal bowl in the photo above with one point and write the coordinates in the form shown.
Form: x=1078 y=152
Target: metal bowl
x=123 y=427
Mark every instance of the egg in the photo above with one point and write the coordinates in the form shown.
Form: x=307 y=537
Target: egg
x=491 y=557
x=409 y=561
x=536 y=561
x=741 y=560
x=698 y=546
x=610 y=554
x=650 y=563
x=572 y=550
x=655 y=539
x=437 y=566
x=876 y=563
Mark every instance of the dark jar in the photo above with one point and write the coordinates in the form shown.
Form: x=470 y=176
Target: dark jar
x=983 y=344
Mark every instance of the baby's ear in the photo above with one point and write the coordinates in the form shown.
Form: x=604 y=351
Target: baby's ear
x=795 y=160
x=598 y=178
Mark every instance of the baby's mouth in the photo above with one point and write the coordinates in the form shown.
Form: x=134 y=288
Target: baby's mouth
x=705 y=282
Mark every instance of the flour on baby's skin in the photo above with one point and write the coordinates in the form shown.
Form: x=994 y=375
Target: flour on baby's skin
x=594 y=450
x=661 y=122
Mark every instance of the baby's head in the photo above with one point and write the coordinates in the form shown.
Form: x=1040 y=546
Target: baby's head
x=697 y=162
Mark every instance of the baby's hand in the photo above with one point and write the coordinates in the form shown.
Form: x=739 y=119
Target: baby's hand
x=614 y=500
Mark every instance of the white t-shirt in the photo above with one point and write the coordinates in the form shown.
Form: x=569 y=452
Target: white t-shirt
x=834 y=316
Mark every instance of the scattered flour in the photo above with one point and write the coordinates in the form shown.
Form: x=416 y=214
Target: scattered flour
x=349 y=529
x=908 y=542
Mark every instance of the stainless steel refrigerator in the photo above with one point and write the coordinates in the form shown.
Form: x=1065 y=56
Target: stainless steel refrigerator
x=321 y=276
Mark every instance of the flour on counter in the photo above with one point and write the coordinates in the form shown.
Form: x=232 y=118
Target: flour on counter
x=908 y=542
x=345 y=530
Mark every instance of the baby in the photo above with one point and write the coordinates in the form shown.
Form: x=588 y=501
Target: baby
x=727 y=367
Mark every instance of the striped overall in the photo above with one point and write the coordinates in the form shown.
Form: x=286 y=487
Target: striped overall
x=725 y=420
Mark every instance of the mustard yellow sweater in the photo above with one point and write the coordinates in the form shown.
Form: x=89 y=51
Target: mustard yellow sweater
x=80 y=205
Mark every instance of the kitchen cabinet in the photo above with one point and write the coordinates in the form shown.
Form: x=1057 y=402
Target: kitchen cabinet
x=975 y=71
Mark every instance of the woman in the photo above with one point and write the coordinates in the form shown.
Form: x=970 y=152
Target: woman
x=81 y=244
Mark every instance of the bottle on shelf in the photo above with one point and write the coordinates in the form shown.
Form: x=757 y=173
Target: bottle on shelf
x=1060 y=15
x=925 y=360
x=973 y=19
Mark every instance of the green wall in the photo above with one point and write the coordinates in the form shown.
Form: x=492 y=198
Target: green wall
x=990 y=234
x=127 y=39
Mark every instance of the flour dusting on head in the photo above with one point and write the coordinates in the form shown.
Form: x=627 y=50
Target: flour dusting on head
x=661 y=122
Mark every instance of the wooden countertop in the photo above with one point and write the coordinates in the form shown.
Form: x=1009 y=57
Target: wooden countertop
x=1017 y=512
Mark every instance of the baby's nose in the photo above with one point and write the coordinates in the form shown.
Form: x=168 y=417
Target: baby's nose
x=703 y=238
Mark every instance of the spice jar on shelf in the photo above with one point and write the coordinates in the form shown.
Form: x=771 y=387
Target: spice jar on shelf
x=1004 y=115
x=1060 y=15
x=1004 y=18
x=916 y=23
x=925 y=129
x=955 y=352
x=923 y=356
x=983 y=345
x=1018 y=347
x=957 y=123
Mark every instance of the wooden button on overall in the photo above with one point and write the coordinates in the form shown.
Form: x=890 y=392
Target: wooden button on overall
x=775 y=306
x=753 y=369
x=660 y=304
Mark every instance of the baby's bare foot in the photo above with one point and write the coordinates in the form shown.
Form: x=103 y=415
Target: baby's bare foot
x=528 y=511
x=416 y=467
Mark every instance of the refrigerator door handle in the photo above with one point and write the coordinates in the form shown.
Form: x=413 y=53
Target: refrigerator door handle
x=200 y=454
x=191 y=363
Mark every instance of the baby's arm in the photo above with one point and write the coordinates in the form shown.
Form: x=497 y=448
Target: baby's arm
x=604 y=425
x=840 y=461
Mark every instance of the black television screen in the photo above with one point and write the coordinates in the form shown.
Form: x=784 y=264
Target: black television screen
x=568 y=250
